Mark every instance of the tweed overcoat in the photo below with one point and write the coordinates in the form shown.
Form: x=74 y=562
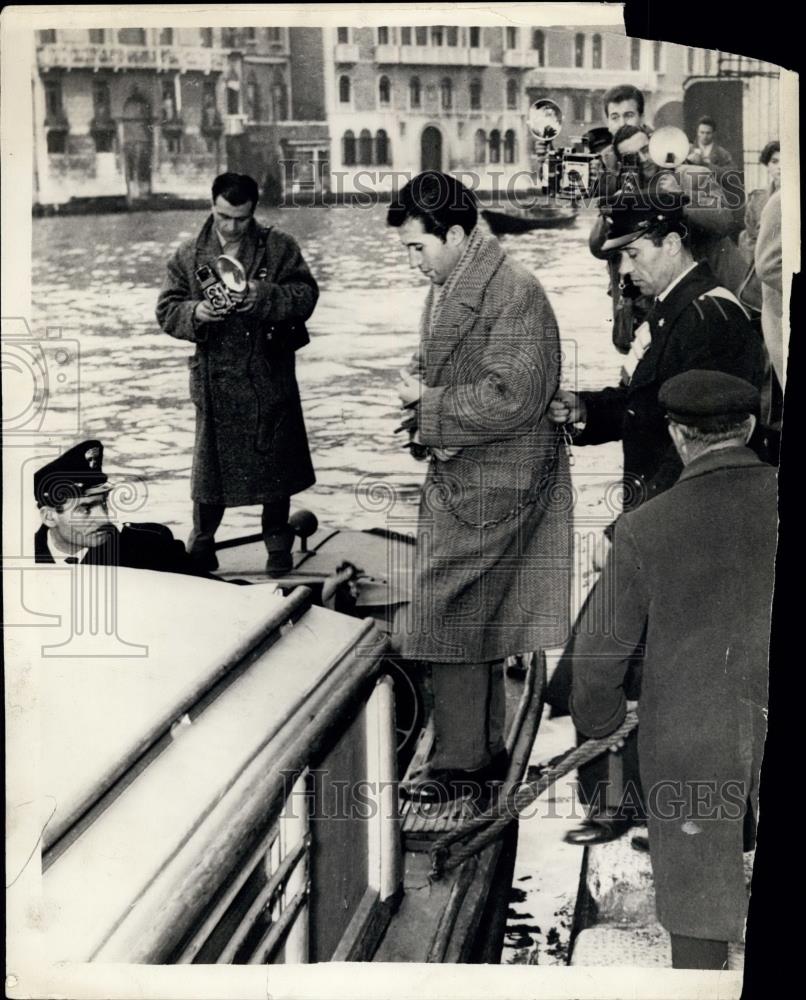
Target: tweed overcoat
x=251 y=446
x=694 y=568
x=697 y=325
x=493 y=557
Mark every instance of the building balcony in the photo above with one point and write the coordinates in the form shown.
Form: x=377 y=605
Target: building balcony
x=122 y=57
x=585 y=78
x=517 y=59
x=431 y=55
x=346 y=53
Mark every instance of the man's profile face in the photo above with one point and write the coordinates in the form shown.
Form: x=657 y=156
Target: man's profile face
x=637 y=146
x=774 y=167
x=231 y=220
x=81 y=523
x=651 y=267
x=705 y=135
x=623 y=113
x=435 y=257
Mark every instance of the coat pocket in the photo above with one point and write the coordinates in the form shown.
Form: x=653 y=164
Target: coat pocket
x=195 y=378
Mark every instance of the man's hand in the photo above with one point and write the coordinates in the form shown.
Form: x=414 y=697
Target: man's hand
x=249 y=300
x=668 y=183
x=566 y=408
x=204 y=313
x=409 y=389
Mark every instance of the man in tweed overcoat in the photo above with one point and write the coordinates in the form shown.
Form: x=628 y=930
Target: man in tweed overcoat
x=492 y=573
x=251 y=446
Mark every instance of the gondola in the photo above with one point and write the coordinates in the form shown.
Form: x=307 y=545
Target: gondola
x=512 y=219
x=225 y=767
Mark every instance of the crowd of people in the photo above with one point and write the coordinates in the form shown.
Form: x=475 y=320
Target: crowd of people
x=687 y=584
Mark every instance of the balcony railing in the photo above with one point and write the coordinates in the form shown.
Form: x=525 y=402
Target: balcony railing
x=432 y=55
x=122 y=57
x=587 y=78
x=520 y=59
x=346 y=53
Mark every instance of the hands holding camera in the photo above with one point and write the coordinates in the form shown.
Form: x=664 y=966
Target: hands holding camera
x=206 y=312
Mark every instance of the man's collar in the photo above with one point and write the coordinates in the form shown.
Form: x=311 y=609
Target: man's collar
x=676 y=281
x=737 y=456
x=61 y=557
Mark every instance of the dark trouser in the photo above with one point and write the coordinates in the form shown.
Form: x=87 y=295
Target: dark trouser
x=610 y=785
x=277 y=536
x=469 y=711
x=698 y=953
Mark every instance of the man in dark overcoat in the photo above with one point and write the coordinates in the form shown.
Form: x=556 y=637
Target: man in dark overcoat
x=492 y=571
x=689 y=583
x=251 y=446
x=694 y=323
x=71 y=493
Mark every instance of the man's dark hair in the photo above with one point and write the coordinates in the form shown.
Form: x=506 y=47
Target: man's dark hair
x=624 y=92
x=438 y=200
x=769 y=151
x=658 y=233
x=236 y=188
x=624 y=133
x=707 y=120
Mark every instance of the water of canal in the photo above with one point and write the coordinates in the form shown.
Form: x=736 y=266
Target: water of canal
x=97 y=278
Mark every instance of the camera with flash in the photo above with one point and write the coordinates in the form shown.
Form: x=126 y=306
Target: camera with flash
x=224 y=284
x=568 y=172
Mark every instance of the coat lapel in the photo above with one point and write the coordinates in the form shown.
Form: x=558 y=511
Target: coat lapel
x=460 y=311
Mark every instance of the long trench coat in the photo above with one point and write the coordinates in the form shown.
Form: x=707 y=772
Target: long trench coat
x=493 y=557
x=251 y=446
x=693 y=570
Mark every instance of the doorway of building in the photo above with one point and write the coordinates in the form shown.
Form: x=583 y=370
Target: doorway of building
x=137 y=144
x=431 y=148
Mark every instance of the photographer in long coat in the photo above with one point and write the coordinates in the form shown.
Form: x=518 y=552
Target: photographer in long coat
x=492 y=573
x=251 y=445
x=688 y=585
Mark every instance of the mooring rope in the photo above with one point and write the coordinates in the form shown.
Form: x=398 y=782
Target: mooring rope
x=465 y=842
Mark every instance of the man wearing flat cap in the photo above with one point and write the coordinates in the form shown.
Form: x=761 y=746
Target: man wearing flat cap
x=71 y=493
x=693 y=323
x=688 y=589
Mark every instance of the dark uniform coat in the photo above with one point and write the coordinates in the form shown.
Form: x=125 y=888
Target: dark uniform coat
x=251 y=446
x=697 y=325
x=693 y=570
x=137 y=546
x=492 y=575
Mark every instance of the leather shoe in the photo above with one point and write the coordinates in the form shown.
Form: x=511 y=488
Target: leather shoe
x=596 y=831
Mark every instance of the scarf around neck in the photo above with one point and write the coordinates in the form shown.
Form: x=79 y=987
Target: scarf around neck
x=474 y=242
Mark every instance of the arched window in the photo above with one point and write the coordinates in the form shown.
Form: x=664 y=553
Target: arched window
x=657 y=49
x=707 y=66
x=383 y=149
x=690 y=60
x=344 y=90
x=384 y=90
x=348 y=149
x=343 y=36
x=512 y=93
x=539 y=45
x=452 y=35
x=421 y=36
x=475 y=94
x=596 y=54
x=510 y=151
x=437 y=34
x=579 y=50
x=166 y=36
x=635 y=53
x=480 y=146
x=446 y=89
x=495 y=146
x=365 y=147
x=405 y=36
x=383 y=36
x=578 y=101
x=415 y=92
